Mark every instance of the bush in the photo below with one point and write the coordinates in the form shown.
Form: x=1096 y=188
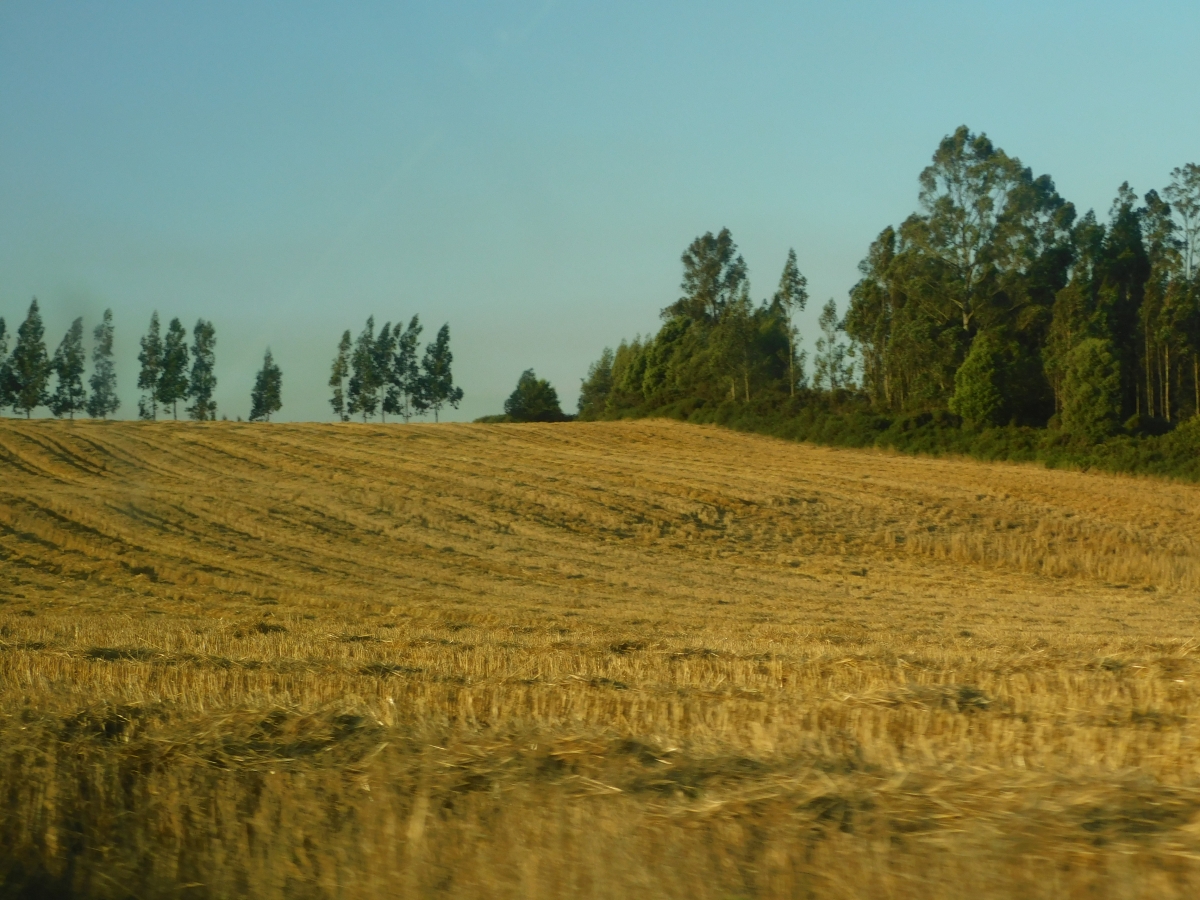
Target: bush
x=1091 y=393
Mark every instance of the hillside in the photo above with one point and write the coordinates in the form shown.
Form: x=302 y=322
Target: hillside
x=587 y=659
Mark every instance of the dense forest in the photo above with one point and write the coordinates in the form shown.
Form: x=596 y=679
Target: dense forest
x=995 y=307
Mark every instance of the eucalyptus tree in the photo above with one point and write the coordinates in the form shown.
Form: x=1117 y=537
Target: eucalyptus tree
x=203 y=381
x=103 y=400
x=714 y=275
x=266 y=397
x=337 y=378
x=151 y=358
x=833 y=365
x=790 y=298
x=7 y=391
x=173 y=379
x=384 y=351
x=437 y=380
x=403 y=395
x=29 y=365
x=988 y=223
x=364 y=374
x=69 y=396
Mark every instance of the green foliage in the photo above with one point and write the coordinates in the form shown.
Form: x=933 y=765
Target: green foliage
x=29 y=366
x=981 y=381
x=365 y=377
x=151 y=359
x=173 y=379
x=403 y=396
x=437 y=379
x=714 y=275
x=337 y=378
x=594 y=391
x=833 y=366
x=384 y=351
x=266 y=397
x=1091 y=395
x=533 y=400
x=790 y=298
x=203 y=382
x=69 y=396
x=103 y=400
x=8 y=394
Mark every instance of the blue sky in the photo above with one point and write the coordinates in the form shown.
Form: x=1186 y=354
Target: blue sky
x=527 y=171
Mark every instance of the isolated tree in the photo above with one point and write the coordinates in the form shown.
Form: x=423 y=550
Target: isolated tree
x=403 y=394
x=533 y=400
x=437 y=380
x=337 y=378
x=103 y=400
x=173 y=380
x=832 y=367
x=30 y=364
x=203 y=381
x=151 y=358
x=266 y=397
x=790 y=298
x=1091 y=394
x=69 y=396
x=364 y=374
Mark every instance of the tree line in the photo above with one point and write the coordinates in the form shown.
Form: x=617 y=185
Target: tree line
x=994 y=302
x=386 y=373
x=377 y=374
x=171 y=372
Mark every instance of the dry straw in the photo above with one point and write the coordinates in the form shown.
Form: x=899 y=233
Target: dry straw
x=601 y=660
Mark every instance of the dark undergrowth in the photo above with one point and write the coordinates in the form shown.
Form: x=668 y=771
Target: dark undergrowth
x=1143 y=447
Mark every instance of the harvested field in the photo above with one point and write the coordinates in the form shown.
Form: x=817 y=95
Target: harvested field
x=586 y=660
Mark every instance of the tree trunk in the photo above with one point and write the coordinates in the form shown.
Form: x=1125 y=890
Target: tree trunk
x=1150 y=409
x=1167 y=381
x=791 y=371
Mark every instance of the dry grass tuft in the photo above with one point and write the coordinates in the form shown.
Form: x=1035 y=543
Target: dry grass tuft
x=587 y=660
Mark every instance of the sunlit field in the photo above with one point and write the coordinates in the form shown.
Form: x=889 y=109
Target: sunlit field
x=586 y=660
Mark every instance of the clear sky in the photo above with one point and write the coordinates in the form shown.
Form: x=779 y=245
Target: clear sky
x=527 y=171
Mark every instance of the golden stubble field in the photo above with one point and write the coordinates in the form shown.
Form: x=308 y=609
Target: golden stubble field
x=586 y=660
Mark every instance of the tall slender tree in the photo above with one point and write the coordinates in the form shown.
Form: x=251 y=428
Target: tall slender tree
x=337 y=378
x=384 y=357
x=203 y=381
x=103 y=400
x=151 y=358
x=403 y=396
x=69 y=396
x=30 y=364
x=266 y=397
x=7 y=391
x=437 y=381
x=173 y=381
x=364 y=374
x=790 y=298
x=833 y=367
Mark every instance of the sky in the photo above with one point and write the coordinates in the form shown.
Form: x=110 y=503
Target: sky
x=528 y=172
